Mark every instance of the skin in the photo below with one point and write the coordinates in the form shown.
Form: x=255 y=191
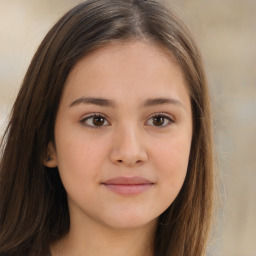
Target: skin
x=131 y=138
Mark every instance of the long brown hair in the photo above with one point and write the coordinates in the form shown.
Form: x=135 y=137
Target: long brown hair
x=33 y=203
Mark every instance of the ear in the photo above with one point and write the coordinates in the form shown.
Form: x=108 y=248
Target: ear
x=50 y=160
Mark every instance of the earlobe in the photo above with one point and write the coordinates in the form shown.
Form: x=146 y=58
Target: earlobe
x=50 y=160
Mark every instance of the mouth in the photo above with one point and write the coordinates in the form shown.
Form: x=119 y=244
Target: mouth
x=128 y=186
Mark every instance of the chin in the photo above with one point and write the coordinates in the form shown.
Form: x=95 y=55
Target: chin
x=129 y=221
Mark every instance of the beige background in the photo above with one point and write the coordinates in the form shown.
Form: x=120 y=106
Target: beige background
x=226 y=33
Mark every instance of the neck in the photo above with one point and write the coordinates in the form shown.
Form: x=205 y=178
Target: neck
x=97 y=240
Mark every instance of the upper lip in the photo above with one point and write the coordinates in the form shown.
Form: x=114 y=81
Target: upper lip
x=127 y=181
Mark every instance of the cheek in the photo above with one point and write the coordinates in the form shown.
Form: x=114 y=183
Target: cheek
x=171 y=160
x=79 y=160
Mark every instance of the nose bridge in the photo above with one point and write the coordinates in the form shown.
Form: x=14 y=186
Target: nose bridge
x=129 y=139
x=128 y=147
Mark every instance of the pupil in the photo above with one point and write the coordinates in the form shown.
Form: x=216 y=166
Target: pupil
x=98 y=121
x=159 y=120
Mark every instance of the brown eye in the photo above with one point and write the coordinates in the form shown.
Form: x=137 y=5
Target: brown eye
x=160 y=120
x=98 y=120
x=95 y=121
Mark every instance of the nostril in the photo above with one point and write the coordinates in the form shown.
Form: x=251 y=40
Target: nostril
x=119 y=161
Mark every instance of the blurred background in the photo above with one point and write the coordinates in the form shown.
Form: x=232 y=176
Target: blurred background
x=226 y=34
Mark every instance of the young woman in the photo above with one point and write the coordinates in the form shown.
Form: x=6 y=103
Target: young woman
x=109 y=146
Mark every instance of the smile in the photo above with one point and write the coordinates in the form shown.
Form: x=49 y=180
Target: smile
x=128 y=186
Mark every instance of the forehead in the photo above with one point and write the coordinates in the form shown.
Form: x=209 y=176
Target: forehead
x=134 y=67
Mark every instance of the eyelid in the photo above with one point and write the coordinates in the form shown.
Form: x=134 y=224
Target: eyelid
x=165 y=115
x=91 y=115
x=169 y=117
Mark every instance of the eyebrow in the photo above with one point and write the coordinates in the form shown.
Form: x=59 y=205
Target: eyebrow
x=94 y=101
x=161 y=101
x=110 y=103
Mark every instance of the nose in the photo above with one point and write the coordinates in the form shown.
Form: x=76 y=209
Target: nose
x=128 y=148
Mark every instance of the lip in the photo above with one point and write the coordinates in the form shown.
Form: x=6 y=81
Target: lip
x=128 y=186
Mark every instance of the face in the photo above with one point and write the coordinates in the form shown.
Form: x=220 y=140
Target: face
x=122 y=135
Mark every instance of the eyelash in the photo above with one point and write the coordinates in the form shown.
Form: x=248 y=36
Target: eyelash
x=166 y=117
x=91 y=116
x=84 y=121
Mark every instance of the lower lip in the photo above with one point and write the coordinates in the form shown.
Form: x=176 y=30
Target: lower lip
x=128 y=190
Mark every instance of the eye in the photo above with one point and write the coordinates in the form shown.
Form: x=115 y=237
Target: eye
x=160 y=120
x=94 y=121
